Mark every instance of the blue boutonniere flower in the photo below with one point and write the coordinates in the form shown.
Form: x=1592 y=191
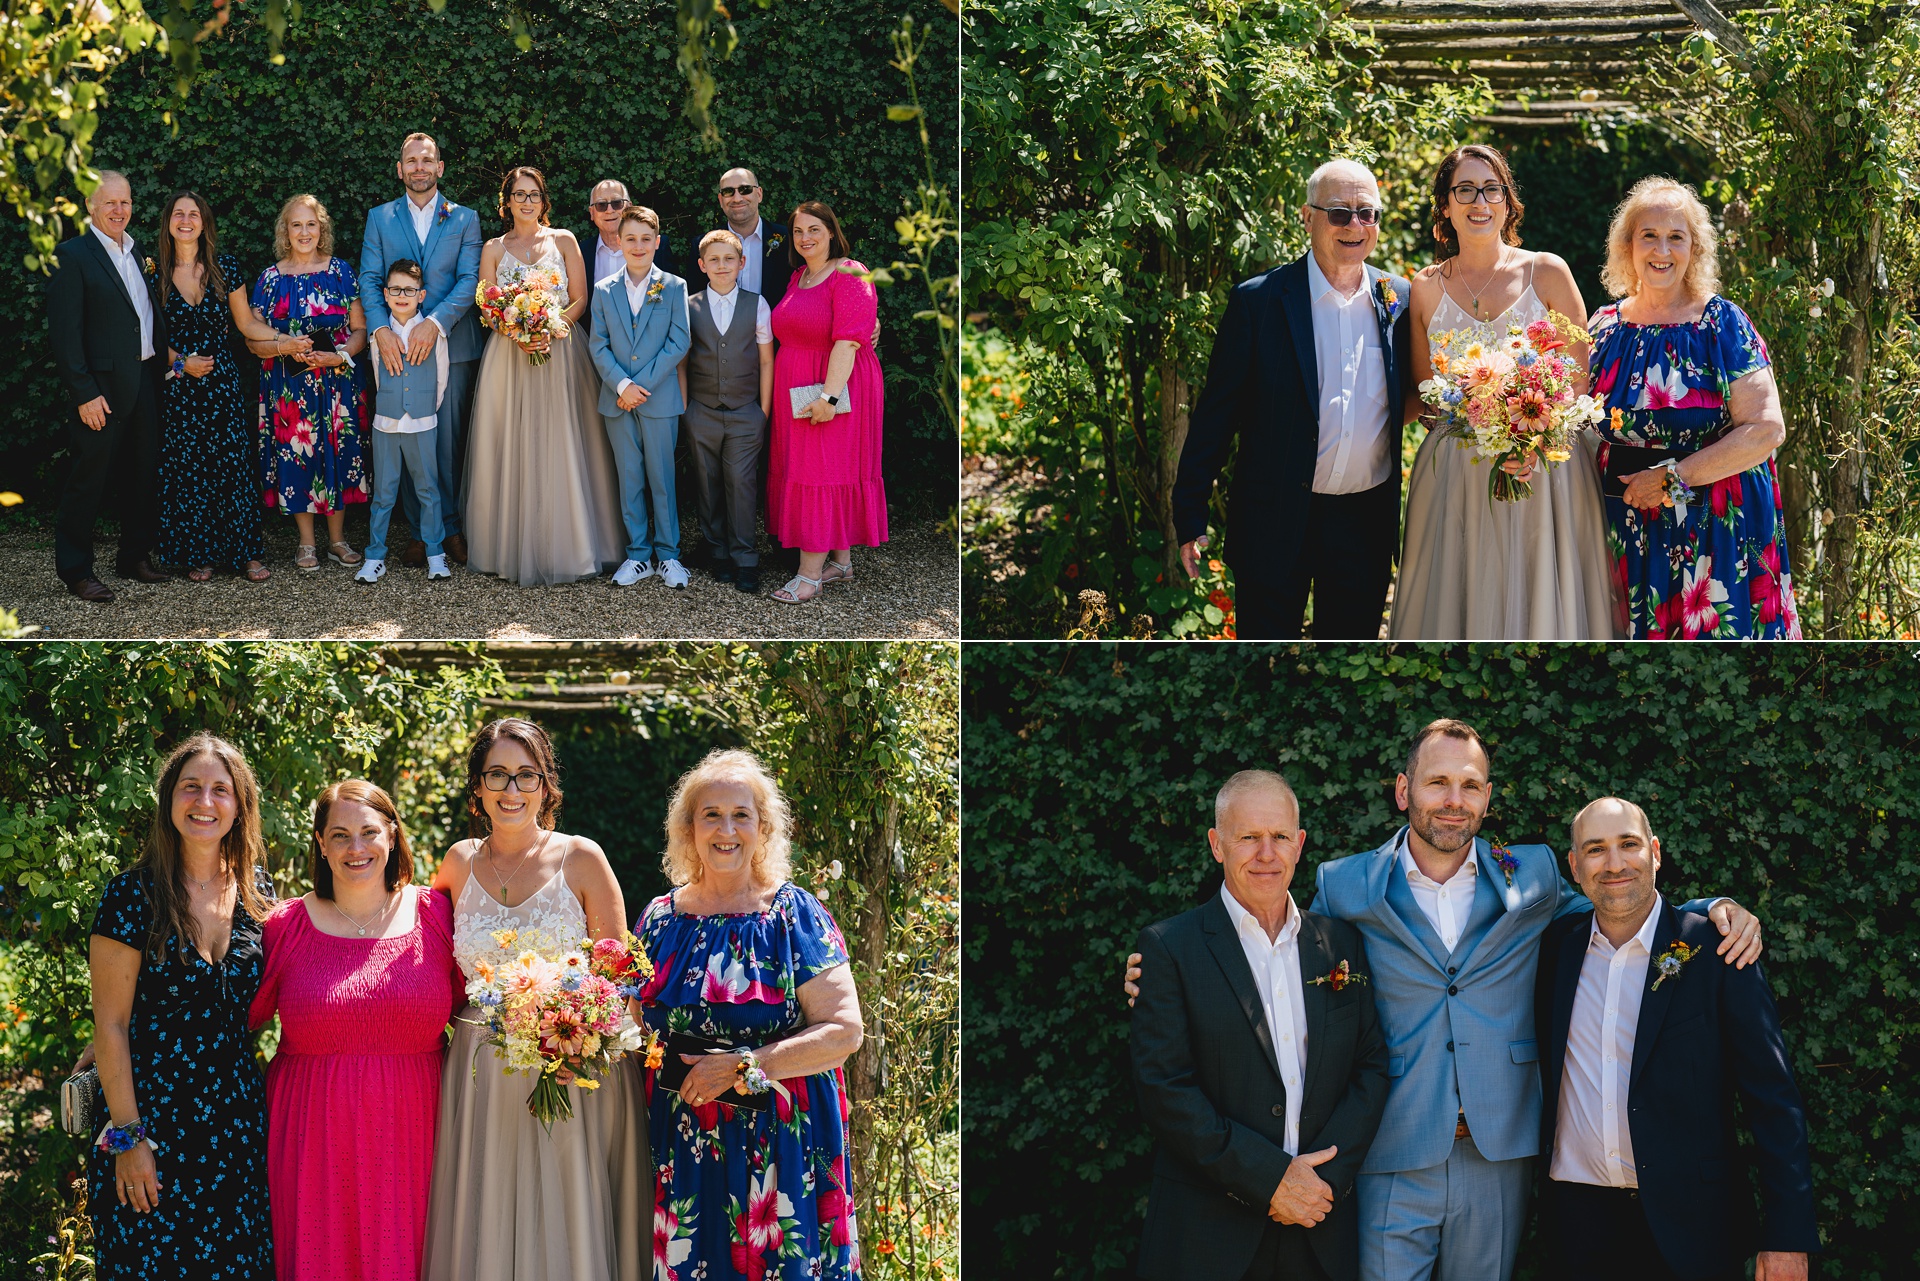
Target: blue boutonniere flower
x=446 y=207
x=1390 y=300
x=1503 y=857
x=776 y=240
x=1670 y=962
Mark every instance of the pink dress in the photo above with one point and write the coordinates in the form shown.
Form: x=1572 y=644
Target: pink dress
x=824 y=490
x=353 y=1094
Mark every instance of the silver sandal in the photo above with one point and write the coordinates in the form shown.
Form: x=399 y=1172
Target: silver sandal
x=835 y=572
x=790 y=594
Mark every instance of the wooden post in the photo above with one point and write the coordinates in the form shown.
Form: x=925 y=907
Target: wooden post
x=1847 y=443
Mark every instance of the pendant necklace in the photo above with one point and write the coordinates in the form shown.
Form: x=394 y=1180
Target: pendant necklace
x=378 y=913
x=1488 y=284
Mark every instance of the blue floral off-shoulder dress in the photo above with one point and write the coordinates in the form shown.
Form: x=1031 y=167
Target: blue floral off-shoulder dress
x=204 y=1103
x=1723 y=572
x=738 y=1192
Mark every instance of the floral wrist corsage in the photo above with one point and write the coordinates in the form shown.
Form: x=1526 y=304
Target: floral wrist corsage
x=1678 y=491
x=115 y=1139
x=752 y=1079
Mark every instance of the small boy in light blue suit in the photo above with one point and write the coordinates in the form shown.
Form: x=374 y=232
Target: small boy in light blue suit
x=406 y=429
x=640 y=332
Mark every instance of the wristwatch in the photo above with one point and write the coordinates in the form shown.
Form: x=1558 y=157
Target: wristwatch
x=831 y=400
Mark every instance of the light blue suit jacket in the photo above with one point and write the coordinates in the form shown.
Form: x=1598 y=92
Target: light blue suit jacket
x=646 y=348
x=450 y=259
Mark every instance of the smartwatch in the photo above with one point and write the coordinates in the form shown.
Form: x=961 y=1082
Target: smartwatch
x=832 y=400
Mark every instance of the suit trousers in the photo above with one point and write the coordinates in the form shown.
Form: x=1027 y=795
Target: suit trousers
x=643 y=455
x=1601 y=1234
x=449 y=451
x=1460 y=1219
x=124 y=453
x=1345 y=562
x=724 y=450
x=1285 y=1254
x=411 y=456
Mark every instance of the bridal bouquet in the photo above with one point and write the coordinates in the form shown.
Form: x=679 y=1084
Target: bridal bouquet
x=1512 y=397
x=566 y=1010
x=525 y=308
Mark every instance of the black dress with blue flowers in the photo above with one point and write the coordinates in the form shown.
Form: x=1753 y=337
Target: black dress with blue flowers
x=204 y=1103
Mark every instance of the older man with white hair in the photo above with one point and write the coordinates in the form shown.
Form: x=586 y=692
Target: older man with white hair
x=1309 y=370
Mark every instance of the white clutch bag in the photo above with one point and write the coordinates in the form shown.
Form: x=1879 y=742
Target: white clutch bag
x=804 y=396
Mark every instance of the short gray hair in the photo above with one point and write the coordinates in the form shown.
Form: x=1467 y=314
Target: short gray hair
x=1252 y=780
x=1327 y=170
x=107 y=176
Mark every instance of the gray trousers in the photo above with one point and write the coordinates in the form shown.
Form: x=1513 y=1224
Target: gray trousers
x=724 y=449
x=1457 y=1221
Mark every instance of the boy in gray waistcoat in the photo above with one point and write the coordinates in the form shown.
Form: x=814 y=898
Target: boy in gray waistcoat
x=728 y=376
x=406 y=409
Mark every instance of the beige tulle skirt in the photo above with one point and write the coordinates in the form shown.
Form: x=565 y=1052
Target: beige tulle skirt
x=511 y=1202
x=542 y=500
x=1535 y=569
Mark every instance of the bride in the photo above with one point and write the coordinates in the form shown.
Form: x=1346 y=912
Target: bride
x=542 y=503
x=1472 y=569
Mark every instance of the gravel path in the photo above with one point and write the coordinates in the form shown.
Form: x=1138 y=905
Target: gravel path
x=906 y=589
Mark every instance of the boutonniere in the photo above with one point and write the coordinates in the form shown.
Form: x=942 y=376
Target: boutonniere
x=1670 y=962
x=151 y=269
x=1388 y=298
x=446 y=207
x=655 y=289
x=775 y=241
x=1504 y=860
x=1337 y=978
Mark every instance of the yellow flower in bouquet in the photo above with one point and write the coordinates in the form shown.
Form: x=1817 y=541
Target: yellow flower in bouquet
x=525 y=308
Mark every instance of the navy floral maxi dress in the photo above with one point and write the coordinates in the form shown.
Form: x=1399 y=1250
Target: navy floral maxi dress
x=208 y=512
x=1723 y=572
x=311 y=420
x=739 y=1192
x=204 y=1103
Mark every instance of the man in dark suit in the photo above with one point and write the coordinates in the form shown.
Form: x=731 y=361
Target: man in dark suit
x=1642 y=1045
x=1260 y=1065
x=766 y=267
x=110 y=344
x=600 y=240
x=1309 y=371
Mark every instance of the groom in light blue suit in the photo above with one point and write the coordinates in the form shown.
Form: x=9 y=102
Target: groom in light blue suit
x=444 y=238
x=1452 y=928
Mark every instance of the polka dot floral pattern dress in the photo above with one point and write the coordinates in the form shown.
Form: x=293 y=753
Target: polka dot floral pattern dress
x=203 y=1100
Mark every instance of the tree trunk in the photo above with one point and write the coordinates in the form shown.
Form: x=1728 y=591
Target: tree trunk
x=866 y=1070
x=1174 y=397
x=1848 y=445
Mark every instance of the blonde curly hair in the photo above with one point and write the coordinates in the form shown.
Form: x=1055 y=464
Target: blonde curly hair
x=1703 y=262
x=773 y=860
x=283 y=245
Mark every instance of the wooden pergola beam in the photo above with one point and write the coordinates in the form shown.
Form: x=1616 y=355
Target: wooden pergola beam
x=1431 y=32
x=1526 y=48
x=1524 y=10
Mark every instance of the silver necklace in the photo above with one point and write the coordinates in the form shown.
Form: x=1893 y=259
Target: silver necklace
x=1498 y=262
x=362 y=929
x=809 y=280
x=494 y=859
x=220 y=875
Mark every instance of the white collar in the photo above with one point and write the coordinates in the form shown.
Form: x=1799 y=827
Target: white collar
x=406 y=326
x=417 y=209
x=122 y=250
x=1643 y=936
x=1243 y=920
x=731 y=294
x=1317 y=282
x=626 y=274
x=1469 y=869
x=759 y=225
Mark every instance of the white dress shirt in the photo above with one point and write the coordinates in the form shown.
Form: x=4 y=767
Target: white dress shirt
x=608 y=259
x=1356 y=449
x=754 y=245
x=636 y=299
x=1592 y=1141
x=126 y=261
x=720 y=307
x=1446 y=904
x=408 y=423
x=1276 y=972
x=423 y=217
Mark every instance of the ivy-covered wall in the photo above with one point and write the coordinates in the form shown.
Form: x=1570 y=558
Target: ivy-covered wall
x=1785 y=776
x=803 y=102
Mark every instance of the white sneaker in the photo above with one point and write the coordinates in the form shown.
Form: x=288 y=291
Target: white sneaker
x=437 y=567
x=371 y=571
x=673 y=573
x=631 y=572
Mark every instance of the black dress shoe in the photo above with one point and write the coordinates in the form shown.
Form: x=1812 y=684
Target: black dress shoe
x=723 y=571
x=747 y=579
x=91 y=589
x=144 y=571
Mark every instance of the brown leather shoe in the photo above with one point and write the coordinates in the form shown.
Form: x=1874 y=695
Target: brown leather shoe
x=144 y=571
x=92 y=589
x=415 y=554
x=456 y=547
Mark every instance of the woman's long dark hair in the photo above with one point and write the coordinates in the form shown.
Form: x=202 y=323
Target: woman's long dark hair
x=209 y=264
x=241 y=850
x=1442 y=190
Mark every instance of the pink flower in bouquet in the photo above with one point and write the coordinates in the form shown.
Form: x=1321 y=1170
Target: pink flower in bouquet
x=562 y=1033
x=1544 y=336
x=1528 y=412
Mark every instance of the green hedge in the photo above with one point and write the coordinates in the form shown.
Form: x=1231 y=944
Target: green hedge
x=803 y=102
x=1786 y=776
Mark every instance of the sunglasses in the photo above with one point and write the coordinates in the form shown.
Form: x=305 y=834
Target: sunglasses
x=1466 y=193
x=1340 y=215
x=740 y=191
x=610 y=206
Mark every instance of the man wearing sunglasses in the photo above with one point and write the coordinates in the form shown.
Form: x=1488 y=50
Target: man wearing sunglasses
x=1309 y=371
x=764 y=269
x=605 y=203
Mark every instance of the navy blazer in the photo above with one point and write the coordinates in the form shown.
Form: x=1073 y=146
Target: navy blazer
x=1701 y=1035
x=94 y=330
x=1263 y=386
x=1209 y=1085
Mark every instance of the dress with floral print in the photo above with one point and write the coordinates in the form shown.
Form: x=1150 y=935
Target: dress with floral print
x=311 y=420
x=1723 y=571
x=739 y=1192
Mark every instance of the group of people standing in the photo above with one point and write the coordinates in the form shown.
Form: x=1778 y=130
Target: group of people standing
x=540 y=461
x=1666 y=522
x=377 y=1146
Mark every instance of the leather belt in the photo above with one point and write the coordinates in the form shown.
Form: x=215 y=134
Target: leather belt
x=1460 y=1130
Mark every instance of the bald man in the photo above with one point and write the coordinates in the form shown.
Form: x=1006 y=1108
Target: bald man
x=1309 y=371
x=1643 y=1041
x=109 y=344
x=765 y=268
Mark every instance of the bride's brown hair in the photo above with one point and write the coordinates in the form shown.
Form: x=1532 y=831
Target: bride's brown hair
x=1442 y=192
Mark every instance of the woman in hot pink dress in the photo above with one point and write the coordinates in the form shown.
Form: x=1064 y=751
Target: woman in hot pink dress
x=361 y=972
x=824 y=492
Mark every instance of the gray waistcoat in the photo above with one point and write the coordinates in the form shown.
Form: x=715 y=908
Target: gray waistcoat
x=723 y=370
x=414 y=394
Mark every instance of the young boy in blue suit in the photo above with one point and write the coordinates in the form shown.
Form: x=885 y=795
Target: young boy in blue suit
x=639 y=336
x=406 y=410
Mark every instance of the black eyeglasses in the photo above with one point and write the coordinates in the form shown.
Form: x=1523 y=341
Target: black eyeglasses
x=1340 y=215
x=526 y=780
x=743 y=191
x=610 y=206
x=1466 y=193
x=525 y=197
x=404 y=291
